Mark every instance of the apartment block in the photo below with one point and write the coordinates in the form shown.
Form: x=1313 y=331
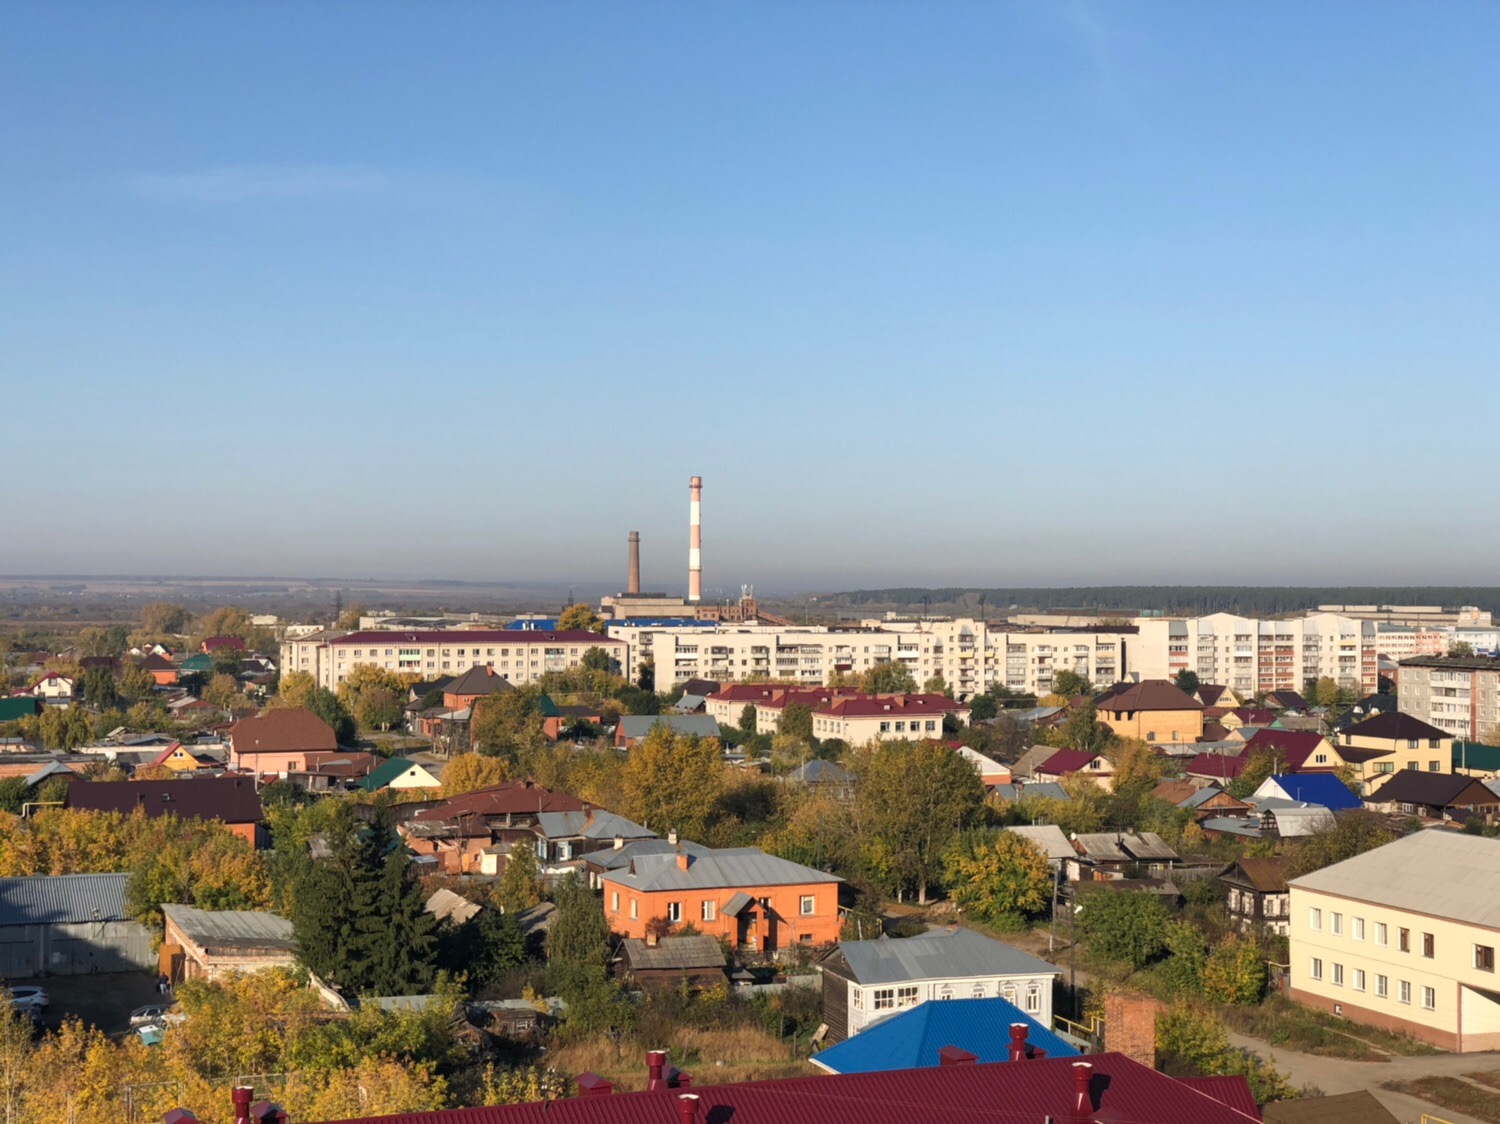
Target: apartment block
x=517 y=656
x=1459 y=694
x=1404 y=937
x=1248 y=655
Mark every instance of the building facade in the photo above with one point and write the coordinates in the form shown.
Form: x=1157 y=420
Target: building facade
x=518 y=656
x=1460 y=694
x=1404 y=938
x=1249 y=655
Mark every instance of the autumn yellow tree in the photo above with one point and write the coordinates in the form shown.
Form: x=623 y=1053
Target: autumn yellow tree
x=671 y=781
x=293 y=689
x=999 y=876
x=469 y=772
x=579 y=618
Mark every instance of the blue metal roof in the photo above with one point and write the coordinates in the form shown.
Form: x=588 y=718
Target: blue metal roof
x=534 y=624
x=1317 y=788
x=912 y=1039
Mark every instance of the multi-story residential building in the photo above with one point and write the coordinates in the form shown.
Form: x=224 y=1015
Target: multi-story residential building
x=1248 y=655
x=1404 y=641
x=970 y=656
x=867 y=718
x=1460 y=694
x=1156 y=711
x=1404 y=937
x=1404 y=742
x=515 y=656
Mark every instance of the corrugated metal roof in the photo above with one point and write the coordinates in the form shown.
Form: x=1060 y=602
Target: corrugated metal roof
x=1437 y=872
x=938 y=954
x=590 y=825
x=62 y=899
x=231 y=928
x=1049 y=837
x=1121 y=1090
x=717 y=869
x=911 y=1039
x=695 y=725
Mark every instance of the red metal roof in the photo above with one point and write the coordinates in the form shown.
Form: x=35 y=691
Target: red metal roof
x=871 y=706
x=515 y=797
x=1121 y=1091
x=1219 y=766
x=1293 y=746
x=513 y=637
x=1066 y=761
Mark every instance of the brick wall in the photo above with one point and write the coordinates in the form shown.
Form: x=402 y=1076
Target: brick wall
x=1130 y=1026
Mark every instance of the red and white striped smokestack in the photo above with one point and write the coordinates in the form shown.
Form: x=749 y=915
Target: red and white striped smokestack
x=695 y=539
x=633 y=581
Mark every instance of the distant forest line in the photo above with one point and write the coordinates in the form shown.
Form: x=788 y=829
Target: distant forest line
x=1250 y=600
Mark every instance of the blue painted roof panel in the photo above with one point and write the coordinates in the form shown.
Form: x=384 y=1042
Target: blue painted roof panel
x=912 y=1039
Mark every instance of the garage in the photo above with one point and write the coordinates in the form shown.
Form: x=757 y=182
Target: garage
x=69 y=925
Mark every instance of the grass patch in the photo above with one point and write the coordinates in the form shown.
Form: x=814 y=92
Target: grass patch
x=1310 y=1031
x=1454 y=1093
x=712 y=1056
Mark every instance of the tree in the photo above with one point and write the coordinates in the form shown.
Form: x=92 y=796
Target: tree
x=596 y=659
x=65 y=728
x=14 y=792
x=1261 y=764
x=1191 y=1041
x=937 y=685
x=983 y=707
x=887 y=678
x=1235 y=972
x=222 y=690
x=670 y=781
x=578 y=942
x=364 y=677
x=508 y=723
x=162 y=618
x=748 y=718
x=350 y=617
x=796 y=721
x=1460 y=648
x=1137 y=765
x=1182 y=970
x=325 y=704
x=1187 y=681
x=16 y=1051
x=1325 y=692
x=99 y=688
x=136 y=682
x=1069 y=684
x=470 y=772
x=1081 y=730
x=293 y=689
x=1353 y=833
x=228 y=621
x=579 y=618
x=645 y=678
x=378 y=708
x=913 y=798
x=999 y=876
x=1126 y=927
x=520 y=885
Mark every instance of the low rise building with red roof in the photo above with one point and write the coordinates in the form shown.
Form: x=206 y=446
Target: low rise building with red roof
x=277 y=741
x=1066 y=762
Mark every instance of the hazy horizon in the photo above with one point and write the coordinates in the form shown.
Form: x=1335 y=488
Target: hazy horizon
x=1033 y=294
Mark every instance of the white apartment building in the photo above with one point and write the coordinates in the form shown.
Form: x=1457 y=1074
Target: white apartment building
x=968 y=654
x=518 y=656
x=1250 y=655
x=1460 y=694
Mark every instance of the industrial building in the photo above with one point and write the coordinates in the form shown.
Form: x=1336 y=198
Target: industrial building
x=69 y=925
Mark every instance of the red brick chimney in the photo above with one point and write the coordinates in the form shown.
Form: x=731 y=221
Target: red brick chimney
x=682 y=860
x=687 y=1108
x=954 y=1055
x=1083 y=1097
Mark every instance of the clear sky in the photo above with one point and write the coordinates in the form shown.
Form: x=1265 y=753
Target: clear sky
x=927 y=293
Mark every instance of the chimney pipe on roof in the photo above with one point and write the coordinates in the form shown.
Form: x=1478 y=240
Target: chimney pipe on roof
x=633 y=580
x=955 y=1055
x=242 y=1095
x=656 y=1061
x=687 y=1108
x=695 y=539
x=1083 y=1100
x=1017 y=1042
x=592 y=1085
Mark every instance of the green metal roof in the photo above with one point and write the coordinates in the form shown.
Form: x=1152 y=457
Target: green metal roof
x=386 y=772
x=11 y=709
x=1476 y=755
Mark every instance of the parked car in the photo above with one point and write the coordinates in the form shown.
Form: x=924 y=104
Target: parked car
x=29 y=998
x=150 y=1013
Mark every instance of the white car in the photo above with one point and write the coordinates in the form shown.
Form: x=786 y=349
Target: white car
x=29 y=998
x=150 y=1013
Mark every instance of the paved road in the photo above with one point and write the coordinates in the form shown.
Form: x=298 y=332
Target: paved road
x=1336 y=1075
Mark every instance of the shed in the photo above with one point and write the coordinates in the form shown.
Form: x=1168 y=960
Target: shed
x=666 y=963
x=69 y=925
x=200 y=944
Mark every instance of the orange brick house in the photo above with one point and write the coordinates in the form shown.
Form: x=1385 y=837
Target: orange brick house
x=275 y=742
x=753 y=900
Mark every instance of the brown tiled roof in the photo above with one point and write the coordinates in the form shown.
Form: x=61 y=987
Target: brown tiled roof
x=1268 y=875
x=870 y=706
x=281 y=729
x=1150 y=695
x=231 y=799
x=153 y=662
x=1440 y=790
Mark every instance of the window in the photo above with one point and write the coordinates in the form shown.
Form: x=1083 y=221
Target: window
x=885 y=998
x=1315 y=968
x=614 y=901
x=709 y=910
x=1429 y=999
x=1434 y=767
x=1357 y=928
x=945 y=992
x=634 y=910
x=1427 y=945
x=1357 y=980
x=1484 y=957
x=806 y=905
x=1033 y=1001
x=1315 y=919
x=1404 y=940
x=1382 y=987
x=1403 y=990
x=978 y=992
x=1336 y=924
x=1381 y=933
x=859 y=999
x=674 y=912
x=906 y=996
x=1338 y=975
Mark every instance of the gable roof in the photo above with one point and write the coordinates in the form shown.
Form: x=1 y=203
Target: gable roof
x=215 y=643
x=953 y=953
x=524 y=797
x=480 y=680
x=1268 y=875
x=1441 y=790
x=232 y=930
x=872 y=706
x=1049 y=837
x=673 y=954
x=1010 y=793
x=1448 y=874
x=590 y=824
x=231 y=799
x=1293 y=746
x=1210 y=693
x=1067 y=761
x=1392 y=725
x=1311 y=788
x=62 y=899
x=390 y=770
x=911 y=1039
x=445 y=905
x=1218 y=766
x=281 y=729
x=1026 y=764
x=1286 y=700
x=635 y=726
x=1149 y=695
x=714 y=869
x=1120 y=1089
x=819 y=771
x=1175 y=792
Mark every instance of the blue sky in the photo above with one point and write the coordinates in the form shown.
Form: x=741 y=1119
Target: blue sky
x=927 y=293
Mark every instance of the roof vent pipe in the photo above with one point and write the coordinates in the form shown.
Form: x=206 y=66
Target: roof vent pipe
x=1083 y=1100
x=656 y=1061
x=687 y=1108
x=1017 y=1042
x=242 y=1095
